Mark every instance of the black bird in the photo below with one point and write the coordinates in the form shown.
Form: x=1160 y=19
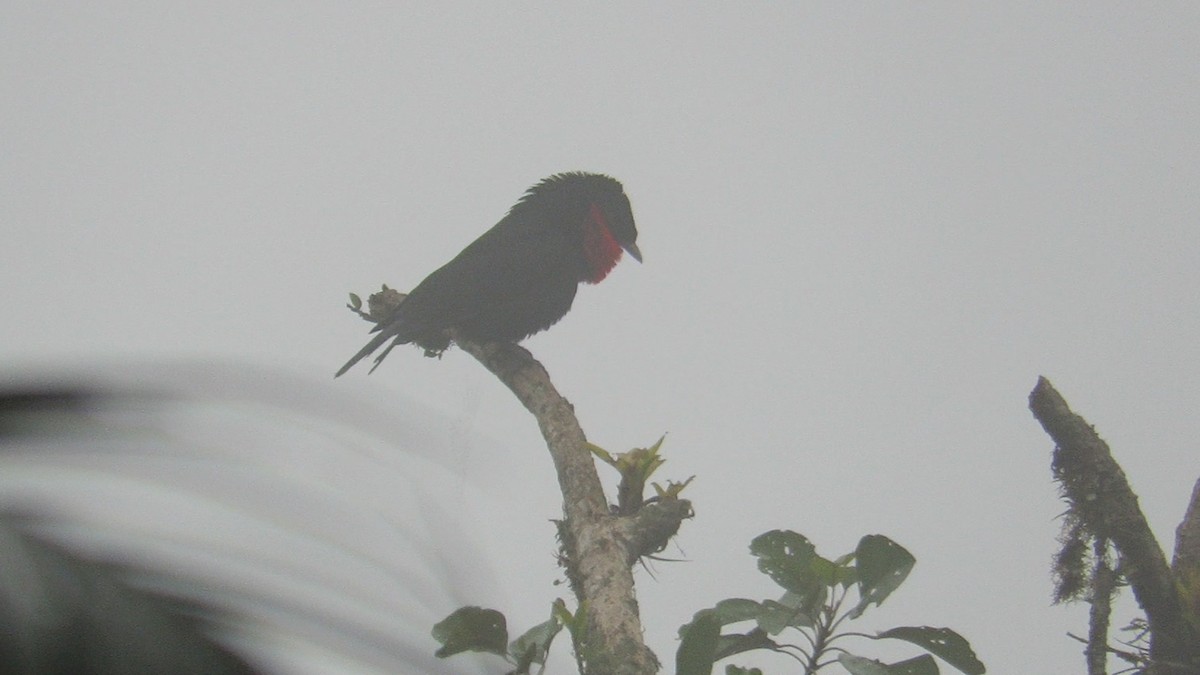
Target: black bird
x=520 y=276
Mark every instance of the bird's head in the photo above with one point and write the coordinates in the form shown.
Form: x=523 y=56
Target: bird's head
x=618 y=218
x=596 y=204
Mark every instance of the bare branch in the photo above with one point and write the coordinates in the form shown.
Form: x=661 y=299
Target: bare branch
x=600 y=570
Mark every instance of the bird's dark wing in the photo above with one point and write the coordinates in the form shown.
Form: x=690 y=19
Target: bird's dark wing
x=517 y=278
x=508 y=264
x=505 y=265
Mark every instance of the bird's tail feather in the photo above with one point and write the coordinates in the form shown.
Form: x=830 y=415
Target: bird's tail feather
x=383 y=355
x=371 y=346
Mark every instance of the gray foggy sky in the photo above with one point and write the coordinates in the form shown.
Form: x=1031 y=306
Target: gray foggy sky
x=867 y=230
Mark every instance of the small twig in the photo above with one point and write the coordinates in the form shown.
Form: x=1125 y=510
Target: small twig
x=1104 y=580
x=1130 y=657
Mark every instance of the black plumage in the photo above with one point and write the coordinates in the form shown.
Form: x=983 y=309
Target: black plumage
x=519 y=277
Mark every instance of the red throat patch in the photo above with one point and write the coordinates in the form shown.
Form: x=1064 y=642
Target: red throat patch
x=600 y=248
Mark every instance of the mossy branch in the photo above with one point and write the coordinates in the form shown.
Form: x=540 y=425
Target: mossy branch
x=1100 y=496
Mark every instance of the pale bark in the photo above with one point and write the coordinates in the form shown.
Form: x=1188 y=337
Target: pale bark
x=596 y=542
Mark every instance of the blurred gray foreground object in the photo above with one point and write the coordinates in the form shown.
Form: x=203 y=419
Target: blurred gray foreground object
x=203 y=519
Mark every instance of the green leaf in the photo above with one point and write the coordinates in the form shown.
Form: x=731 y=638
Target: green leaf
x=882 y=566
x=920 y=665
x=788 y=558
x=738 y=670
x=472 y=629
x=943 y=642
x=673 y=489
x=602 y=454
x=729 y=645
x=657 y=445
x=698 y=644
x=733 y=610
x=737 y=610
x=798 y=602
x=857 y=665
x=558 y=610
x=777 y=616
x=576 y=624
x=769 y=615
x=355 y=301
x=826 y=571
x=533 y=645
x=846 y=574
x=523 y=661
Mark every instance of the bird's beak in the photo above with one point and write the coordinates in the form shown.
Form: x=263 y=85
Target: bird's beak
x=633 y=251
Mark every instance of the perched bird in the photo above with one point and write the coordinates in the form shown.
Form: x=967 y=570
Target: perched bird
x=519 y=277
